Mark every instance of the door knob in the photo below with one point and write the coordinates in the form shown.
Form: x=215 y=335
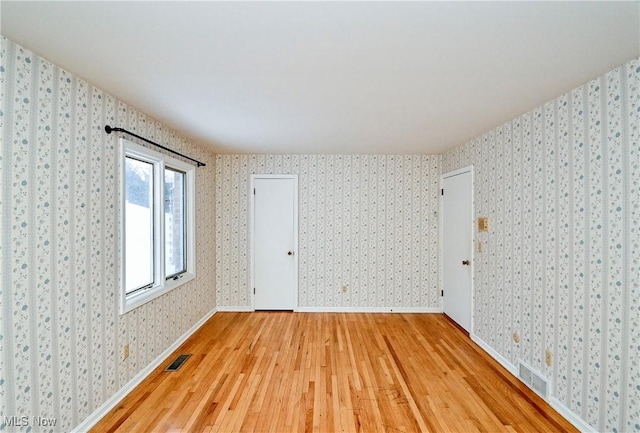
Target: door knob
x=290 y=253
x=465 y=262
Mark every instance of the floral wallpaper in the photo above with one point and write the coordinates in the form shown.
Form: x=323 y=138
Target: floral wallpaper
x=61 y=334
x=561 y=185
x=366 y=221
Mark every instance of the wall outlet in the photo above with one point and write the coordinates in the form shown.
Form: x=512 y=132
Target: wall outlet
x=125 y=352
x=548 y=358
x=516 y=337
x=345 y=289
x=483 y=224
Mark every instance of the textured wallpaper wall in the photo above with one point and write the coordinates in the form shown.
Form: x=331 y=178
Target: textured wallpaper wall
x=61 y=334
x=370 y=222
x=561 y=185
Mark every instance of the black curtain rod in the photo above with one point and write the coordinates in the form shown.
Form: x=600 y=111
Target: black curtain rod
x=108 y=129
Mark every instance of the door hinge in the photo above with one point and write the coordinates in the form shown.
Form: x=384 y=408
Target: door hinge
x=254 y=191
x=442 y=191
x=254 y=290
x=441 y=292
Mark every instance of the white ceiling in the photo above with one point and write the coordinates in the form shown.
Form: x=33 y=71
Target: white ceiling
x=330 y=77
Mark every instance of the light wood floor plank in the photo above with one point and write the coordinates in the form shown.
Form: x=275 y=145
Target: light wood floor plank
x=304 y=372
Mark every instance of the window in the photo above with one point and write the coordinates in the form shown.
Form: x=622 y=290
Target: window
x=174 y=228
x=158 y=244
x=139 y=224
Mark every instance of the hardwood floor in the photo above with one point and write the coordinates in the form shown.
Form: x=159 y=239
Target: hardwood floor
x=295 y=372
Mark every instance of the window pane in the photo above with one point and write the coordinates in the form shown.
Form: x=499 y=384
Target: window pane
x=139 y=224
x=174 y=222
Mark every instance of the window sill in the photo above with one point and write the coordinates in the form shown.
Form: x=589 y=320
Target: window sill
x=133 y=301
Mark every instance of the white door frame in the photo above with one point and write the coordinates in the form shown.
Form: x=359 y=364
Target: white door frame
x=467 y=169
x=252 y=275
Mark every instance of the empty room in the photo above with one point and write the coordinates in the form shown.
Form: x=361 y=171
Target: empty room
x=319 y=216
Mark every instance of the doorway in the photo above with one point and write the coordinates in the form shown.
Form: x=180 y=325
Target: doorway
x=457 y=248
x=274 y=242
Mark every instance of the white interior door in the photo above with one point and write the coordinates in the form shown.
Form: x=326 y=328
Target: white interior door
x=457 y=246
x=275 y=243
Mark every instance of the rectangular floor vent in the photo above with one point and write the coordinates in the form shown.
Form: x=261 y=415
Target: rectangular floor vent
x=533 y=379
x=175 y=365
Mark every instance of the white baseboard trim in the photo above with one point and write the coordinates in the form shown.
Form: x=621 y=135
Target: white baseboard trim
x=343 y=309
x=495 y=355
x=116 y=398
x=577 y=422
x=369 y=310
x=227 y=308
x=570 y=416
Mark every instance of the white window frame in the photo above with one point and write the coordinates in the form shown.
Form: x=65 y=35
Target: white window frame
x=161 y=285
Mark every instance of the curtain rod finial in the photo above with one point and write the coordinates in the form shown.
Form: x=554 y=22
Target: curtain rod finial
x=108 y=129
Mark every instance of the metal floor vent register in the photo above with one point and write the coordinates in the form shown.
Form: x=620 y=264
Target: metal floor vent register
x=177 y=363
x=533 y=380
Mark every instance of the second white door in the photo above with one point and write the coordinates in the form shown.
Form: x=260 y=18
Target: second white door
x=457 y=248
x=275 y=270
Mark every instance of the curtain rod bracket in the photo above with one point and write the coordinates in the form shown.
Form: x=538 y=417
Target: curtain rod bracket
x=109 y=129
